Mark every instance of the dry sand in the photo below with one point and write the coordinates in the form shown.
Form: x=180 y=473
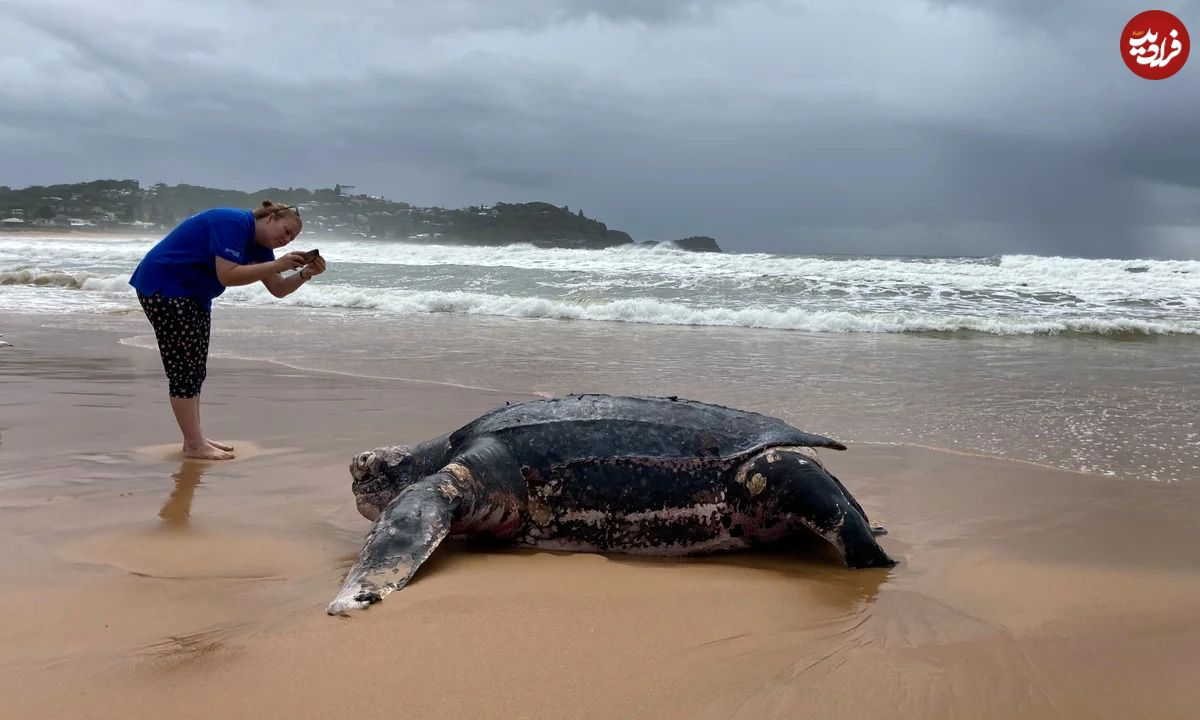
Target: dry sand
x=134 y=584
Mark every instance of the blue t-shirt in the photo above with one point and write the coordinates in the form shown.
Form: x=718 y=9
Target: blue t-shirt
x=183 y=264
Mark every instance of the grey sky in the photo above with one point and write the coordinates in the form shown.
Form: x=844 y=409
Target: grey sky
x=885 y=127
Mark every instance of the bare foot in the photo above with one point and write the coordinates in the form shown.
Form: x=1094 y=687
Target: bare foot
x=219 y=445
x=206 y=452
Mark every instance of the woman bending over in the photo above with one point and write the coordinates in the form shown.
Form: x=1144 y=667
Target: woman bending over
x=178 y=278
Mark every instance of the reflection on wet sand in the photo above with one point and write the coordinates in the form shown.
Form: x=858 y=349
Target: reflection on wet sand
x=176 y=512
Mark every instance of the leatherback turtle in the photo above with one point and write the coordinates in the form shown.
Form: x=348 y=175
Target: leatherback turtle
x=600 y=473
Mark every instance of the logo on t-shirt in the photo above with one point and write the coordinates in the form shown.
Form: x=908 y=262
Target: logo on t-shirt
x=237 y=254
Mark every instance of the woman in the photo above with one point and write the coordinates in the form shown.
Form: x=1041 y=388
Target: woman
x=177 y=280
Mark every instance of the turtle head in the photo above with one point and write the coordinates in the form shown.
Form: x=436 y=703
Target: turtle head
x=379 y=476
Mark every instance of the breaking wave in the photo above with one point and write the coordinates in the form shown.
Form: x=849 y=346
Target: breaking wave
x=659 y=312
x=35 y=277
x=663 y=285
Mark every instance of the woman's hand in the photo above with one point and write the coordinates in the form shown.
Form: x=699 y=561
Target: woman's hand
x=317 y=266
x=291 y=261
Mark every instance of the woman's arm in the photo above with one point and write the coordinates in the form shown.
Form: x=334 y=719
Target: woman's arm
x=231 y=274
x=281 y=286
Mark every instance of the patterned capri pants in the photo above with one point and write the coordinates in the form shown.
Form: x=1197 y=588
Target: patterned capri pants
x=181 y=327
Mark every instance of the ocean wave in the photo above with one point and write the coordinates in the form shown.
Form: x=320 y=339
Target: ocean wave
x=659 y=312
x=108 y=283
x=1096 y=281
x=660 y=284
x=76 y=280
x=51 y=278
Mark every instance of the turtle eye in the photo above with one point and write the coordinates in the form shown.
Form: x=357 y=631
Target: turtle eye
x=364 y=461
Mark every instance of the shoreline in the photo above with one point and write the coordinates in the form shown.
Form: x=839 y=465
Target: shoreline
x=136 y=339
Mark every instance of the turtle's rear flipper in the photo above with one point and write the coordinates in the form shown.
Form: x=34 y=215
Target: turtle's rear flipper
x=407 y=532
x=804 y=489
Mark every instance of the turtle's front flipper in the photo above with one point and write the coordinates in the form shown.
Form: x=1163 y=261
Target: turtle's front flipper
x=407 y=532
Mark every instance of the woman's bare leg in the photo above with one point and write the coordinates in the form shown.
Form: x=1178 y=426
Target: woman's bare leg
x=214 y=443
x=187 y=414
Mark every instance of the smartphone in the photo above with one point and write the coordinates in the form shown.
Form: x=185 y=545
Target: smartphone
x=311 y=255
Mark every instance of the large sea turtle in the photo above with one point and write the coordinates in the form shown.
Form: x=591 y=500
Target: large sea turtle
x=600 y=473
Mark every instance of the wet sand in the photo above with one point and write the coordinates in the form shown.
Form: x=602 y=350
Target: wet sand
x=135 y=584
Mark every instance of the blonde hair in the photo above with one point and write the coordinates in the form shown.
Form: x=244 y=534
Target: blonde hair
x=270 y=207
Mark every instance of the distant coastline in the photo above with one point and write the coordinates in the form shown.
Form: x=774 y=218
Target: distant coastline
x=48 y=233
x=107 y=207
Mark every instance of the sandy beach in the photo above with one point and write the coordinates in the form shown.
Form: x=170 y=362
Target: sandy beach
x=135 y=584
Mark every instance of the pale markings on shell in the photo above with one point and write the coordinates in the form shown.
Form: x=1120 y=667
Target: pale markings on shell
x=774 y=453
x=461 y=472
x=448 y=490
x=538 y=512
x=589 y=517
x=704 y=510
x=742 y=477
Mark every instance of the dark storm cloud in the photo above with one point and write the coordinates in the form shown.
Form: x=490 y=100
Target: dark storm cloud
x=905 y=127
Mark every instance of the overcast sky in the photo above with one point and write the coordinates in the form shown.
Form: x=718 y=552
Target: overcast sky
x=898 y=127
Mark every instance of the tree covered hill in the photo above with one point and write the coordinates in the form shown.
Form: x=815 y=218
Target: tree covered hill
x=122 y=205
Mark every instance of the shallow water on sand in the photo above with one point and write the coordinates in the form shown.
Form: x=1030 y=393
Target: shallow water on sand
x=1124 y=408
